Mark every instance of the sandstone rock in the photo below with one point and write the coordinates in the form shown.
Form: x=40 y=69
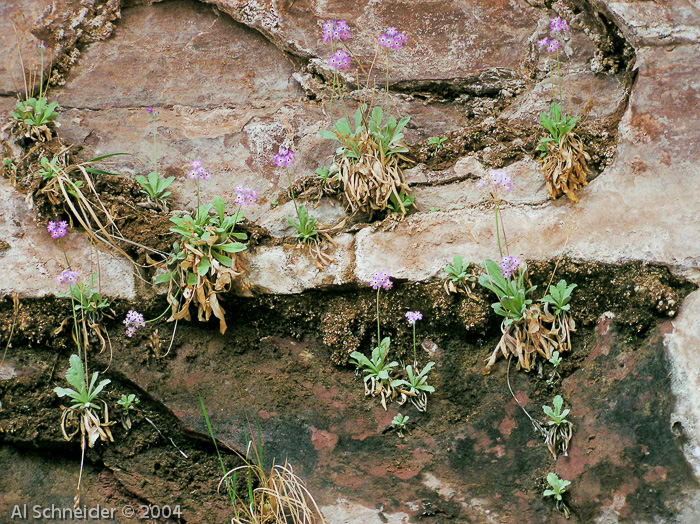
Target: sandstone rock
x=33 y=259
x=646 y=24
x=290 y=269
x=682 y=347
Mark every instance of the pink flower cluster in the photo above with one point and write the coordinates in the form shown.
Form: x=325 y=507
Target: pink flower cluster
x=284 y=157
x=392 y=39
x=57 y=229
x=550 y=44
x=339 y=60
x=556 y=25
x=67 y=277
x=497 y=180
x=133 y=321
x=335 y=30
x=509 y=265
x=246 y=196
x=413 y=317
x=381 y=280
x=199 y=172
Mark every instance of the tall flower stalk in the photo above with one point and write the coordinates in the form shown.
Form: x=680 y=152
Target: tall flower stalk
x=552 y=45
x=198 y=173
x=335 y=31
x=494 y=184
x=391 y=39
x=412 y=317
x=380 y=281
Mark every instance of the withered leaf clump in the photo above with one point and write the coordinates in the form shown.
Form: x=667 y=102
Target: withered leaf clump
x=565 y=167
x=370 y=181
x=202 y=290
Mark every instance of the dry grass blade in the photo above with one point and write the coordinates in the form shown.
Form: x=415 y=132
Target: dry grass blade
x=279 y=498
x=565 y=167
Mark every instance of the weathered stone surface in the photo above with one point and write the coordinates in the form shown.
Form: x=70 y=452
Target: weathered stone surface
x=454 y=47
x=61 y=24
x=654 y=24
x=683 y=345
x=16 y=21
x=33 y=260
x=290 y=269
x=619 y=218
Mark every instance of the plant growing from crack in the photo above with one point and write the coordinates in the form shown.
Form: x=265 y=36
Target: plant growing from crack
x=459 y=278
x=377 y=370
x=368 y=160
x=154 y=187
x=561 y=152
x=437 y=141
x=86 y=405
x=304 y=224
x=556 y=362
x=205 y=262
x=274 y=495
x=399 y=423
x=563 y=325
x=560 y=429
x=127 y=403
x=34 y=117
x=557 y=488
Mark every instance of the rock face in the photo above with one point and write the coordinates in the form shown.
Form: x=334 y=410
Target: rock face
x=232 y=81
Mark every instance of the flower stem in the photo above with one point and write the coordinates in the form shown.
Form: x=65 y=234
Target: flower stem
x=155 y=146
x=379 y=338
x=291 y=190
x=197 y=195
x=65 y=255
x=498 y=235
x=415 y=360
x=386 y=92
x=561 y=99
x=161 y=315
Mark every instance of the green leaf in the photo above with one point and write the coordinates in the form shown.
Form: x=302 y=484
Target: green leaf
x=226 y=261
x=75 y=375
x=328 y=134
x=220 y=206
x=162 y=279
x=203 y=267
x=234 y=247
x=191 y=279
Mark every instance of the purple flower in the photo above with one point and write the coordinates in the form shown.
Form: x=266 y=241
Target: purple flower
x=413 y=317
x=67 y=277
x=558 y=24
x=382 y=280
x=339 y=60
x=284 y=157
x=335 y=30
x=544 y=42
x=133 y=321
x=149 y=110
x=41 y=46
x=497 y=180
x=509 y=265
x=392 y=39
x=552 y=46
x=199 y=172
x=57 y=229
x=246 y=196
